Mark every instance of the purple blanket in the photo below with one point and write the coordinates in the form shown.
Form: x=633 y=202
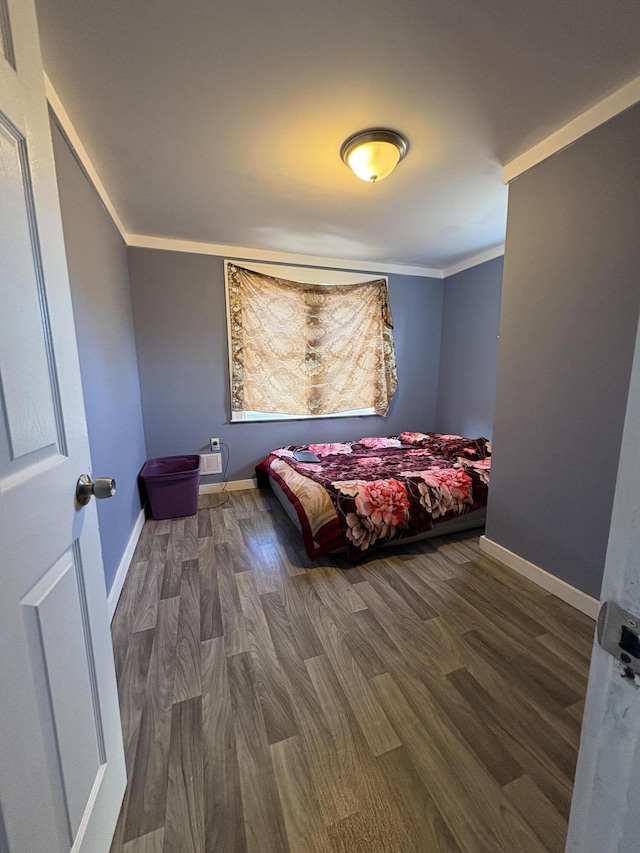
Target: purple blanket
x=398 y=486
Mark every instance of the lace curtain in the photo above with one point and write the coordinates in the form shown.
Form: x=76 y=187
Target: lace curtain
x=309 y=349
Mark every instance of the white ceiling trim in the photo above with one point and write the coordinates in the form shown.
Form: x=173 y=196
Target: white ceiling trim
x=247 y=253
x=611 y=106
x=474 y=260
x=80 y=151
x=239 y=252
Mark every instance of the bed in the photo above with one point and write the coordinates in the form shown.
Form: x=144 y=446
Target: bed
x=365 y=494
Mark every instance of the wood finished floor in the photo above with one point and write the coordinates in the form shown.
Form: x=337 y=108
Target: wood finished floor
x=429 y=700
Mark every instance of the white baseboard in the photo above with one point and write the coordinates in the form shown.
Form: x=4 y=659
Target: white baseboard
x=575 y=597
x=232 y=486
x=125 y=562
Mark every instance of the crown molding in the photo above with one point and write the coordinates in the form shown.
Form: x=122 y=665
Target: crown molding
x=247 y=253
x=71 y=134
x=611 y=106
x=474 y=260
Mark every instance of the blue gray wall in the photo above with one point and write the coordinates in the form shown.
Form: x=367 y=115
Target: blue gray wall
x=97 y=260
x=469 y=353
x=180 y=320
x=570 y=304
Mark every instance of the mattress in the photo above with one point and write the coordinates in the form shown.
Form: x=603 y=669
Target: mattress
x=366 y=494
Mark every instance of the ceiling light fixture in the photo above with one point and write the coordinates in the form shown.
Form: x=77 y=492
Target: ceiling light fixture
x=374 y=154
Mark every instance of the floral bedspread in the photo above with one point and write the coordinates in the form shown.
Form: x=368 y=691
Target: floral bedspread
x=385 y=488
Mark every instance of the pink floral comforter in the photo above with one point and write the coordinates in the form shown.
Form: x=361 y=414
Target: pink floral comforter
x=381 y=488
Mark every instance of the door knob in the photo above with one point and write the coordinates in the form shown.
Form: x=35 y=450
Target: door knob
x=102 y=487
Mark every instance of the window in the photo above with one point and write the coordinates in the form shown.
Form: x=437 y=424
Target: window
x=307 y=343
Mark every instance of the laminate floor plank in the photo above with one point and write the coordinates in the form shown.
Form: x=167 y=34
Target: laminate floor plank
x=148 y=782
x=494 y=595
x=263 y=551
x=569 y=653
x=489 y=567
x=458 y=547
x=523 y=708
x=573 y=622
x=147 y=608
x=305 y=636
x=293 y=559
x=210 y=609
x=260 y=498
x=118 y=843
x=554 y=615
x=152 y=842
x=536 y=747
x=184 y=818
x=424 y=702
x=142 y=550
x=408 y=633
x=488 y=822
x=458 y=611
x=233 y=626
x=398 y=582
x=516 y=663
x=576 y=712
x=175 y=557
x=364 y=704
x=190 y=545
x=224 y=525
x=187 y=679
x=424 y=822
x=263 y=818
x=269 y=682
x=332 y=794
x=132 y=688
x=306 y=833
x=434 y=698
x=340 y=610
x=242 y=505
x=126 y=614
x=244 y=559
x=386 y=655
x=204 y=523
x=429 y=559
x=335 y=590
x=223 y=812
x=353 y=575
x=377 y=824
x=547 y=823
x=514 y=624
x=227 y=526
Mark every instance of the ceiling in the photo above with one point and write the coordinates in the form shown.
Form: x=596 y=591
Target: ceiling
x=221 y=120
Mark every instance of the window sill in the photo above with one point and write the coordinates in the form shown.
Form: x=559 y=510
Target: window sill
x=266 y=417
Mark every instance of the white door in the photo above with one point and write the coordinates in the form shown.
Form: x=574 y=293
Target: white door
x=605 y=812
x=62 y=773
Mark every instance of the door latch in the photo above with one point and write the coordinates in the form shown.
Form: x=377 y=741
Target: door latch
x=619 y=634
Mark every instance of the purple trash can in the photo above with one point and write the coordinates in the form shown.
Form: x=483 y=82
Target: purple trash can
x=172 y=485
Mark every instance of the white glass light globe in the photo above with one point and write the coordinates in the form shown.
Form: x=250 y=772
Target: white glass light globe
x=373 y=161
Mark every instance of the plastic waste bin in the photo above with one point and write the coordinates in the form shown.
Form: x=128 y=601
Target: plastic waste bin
x=172 y=485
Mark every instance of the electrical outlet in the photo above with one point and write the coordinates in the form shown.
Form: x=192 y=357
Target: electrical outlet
x=215 y=444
